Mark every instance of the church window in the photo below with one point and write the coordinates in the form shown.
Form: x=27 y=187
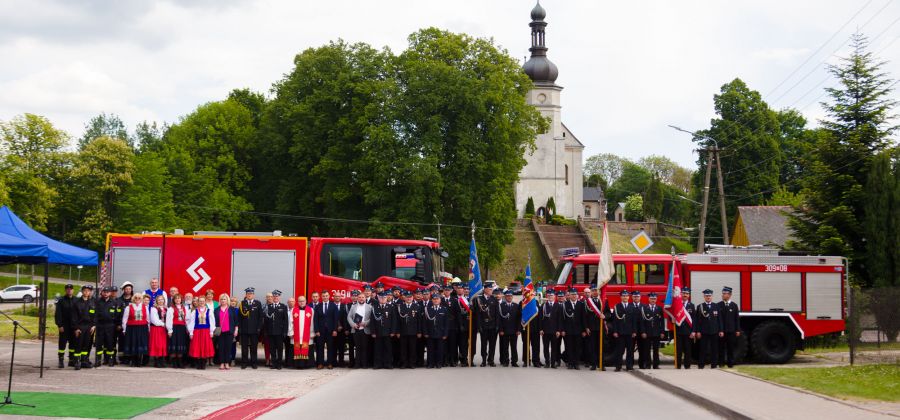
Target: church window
x=567 y=174
x=587 y=211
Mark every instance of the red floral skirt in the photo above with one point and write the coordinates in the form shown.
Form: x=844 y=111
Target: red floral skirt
x=158 y=341
x=201 y=345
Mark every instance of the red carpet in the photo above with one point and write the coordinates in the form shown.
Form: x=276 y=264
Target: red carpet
x=247 y=409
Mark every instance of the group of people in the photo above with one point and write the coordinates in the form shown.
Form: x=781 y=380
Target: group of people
x=382 y=329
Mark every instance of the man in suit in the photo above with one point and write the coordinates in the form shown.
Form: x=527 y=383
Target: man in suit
x=327 y=319
x=249 y=326
x=573 y=328
x=550 y=329
x=708 y=326
x=684 y=333
x=624 y=330
x=407 y=325
x=279 y=317
x=436 y=331
x=592 y=321
x=731 y=327
x=488 y=316
x=359 y=317
x=510 y=328
x=652 y=326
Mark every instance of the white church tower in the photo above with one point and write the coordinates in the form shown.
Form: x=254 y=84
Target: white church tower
x=554 y=169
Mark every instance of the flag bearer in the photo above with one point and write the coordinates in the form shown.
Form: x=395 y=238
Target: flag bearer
x=510 y=328
x=84 y=321
x=592 y=317
x=709 y=327
x=652 y=324
x=731 y=327
x=685 y=335
x=624 y=330
x=107 y=319
x=462 y=302
x=63 y=318
x=551 y=328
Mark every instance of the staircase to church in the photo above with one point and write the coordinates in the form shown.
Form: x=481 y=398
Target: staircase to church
x=555 y=238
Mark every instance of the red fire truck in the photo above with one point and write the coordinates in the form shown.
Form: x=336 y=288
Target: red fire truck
x=231 y=261
x=783 y=299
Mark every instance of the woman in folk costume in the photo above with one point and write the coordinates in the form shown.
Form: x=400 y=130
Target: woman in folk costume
x=135 y=326
x=301 y=329
x=201 y=325
x=226 y=318
x=176 y=326
x=158 y=333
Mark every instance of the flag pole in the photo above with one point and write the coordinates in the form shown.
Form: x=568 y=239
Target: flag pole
x=471 y=313
x=602 y=321
x=674 y=327
x=527 y=344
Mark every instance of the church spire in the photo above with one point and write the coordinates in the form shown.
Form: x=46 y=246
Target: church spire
x=539 y=68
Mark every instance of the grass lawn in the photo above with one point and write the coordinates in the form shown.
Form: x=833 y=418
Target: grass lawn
x=55 y=288
x=870 y=382
x=621 y=243
x=56 y=270
x=843 y=348
x=51 y=404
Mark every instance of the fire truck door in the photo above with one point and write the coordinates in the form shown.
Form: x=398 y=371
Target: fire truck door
x=137 y=265
x=265 y=270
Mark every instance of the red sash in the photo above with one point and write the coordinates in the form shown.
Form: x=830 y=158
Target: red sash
x=301 y=345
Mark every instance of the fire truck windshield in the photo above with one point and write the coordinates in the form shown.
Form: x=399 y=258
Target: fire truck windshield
x=562 y=272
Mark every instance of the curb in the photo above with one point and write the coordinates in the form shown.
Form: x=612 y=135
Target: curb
x=690 y=396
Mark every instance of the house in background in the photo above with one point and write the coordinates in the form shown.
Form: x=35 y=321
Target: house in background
x=594 y=203
x=619 y=213
x=761 y=225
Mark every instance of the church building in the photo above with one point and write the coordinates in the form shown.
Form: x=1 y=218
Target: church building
x=554 y=168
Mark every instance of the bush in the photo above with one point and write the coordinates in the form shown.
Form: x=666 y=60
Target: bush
x=529 y=208
x=551 y=206
x=883 y=305
x=561 y=221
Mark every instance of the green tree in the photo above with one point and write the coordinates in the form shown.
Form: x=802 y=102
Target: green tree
x=634 y=208
x=146 y=204
x=34 y=163
x=595 y=180
x=551 y=205
x=858 y=126
x=529 y=207
x=879 y=224
x=750 y=134
x=782 y=196
x=653 y=198
x=148 y=136
x=104 y=125
x=633 y=180
x=102 y=170
x=668 y=172
x=609 y=166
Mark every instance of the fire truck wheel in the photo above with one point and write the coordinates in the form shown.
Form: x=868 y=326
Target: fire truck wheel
x=773 y=342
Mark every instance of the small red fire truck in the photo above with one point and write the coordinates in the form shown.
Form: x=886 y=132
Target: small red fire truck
x=231 y=261
x=783 y=299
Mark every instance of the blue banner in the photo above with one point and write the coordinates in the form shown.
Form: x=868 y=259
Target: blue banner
x=475 y=285
x=529 y=305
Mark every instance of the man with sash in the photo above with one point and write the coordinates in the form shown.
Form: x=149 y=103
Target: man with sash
x=302 y=331
x=249 y=326
x=592 y=318
x=684 y=334
x=464 y=312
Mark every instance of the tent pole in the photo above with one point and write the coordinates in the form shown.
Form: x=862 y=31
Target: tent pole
x=43 y=321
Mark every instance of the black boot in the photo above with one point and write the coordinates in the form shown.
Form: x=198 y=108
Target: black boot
x=86 y=361
x=61 y=362
x=97 y=360
x=72 y=360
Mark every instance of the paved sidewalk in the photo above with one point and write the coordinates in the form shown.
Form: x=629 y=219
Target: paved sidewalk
x=763 y=400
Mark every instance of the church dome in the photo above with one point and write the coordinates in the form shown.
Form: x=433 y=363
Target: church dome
x=538 y=13
x=538 y=67
x=541 y=69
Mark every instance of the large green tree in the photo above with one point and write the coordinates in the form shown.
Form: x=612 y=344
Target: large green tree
x=858 y=126
x=101 y=172
x=104 y=125
x=147 y=204
x=879 y=224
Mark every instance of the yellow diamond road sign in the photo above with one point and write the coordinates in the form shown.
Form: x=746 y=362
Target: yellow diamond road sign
x=641 y=242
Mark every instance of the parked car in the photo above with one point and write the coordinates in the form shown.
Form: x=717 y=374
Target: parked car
x=516 y=287
x=24 y=292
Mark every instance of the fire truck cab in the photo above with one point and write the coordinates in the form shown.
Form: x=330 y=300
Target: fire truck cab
x=228 y=262
x=783 y=299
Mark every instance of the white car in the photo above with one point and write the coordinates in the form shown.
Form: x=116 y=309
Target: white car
x=24 y=292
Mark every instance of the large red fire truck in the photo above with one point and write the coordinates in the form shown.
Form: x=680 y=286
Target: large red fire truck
x=231 y=261
x=783 y=299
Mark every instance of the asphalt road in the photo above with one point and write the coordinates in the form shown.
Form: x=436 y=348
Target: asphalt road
x=508 y=393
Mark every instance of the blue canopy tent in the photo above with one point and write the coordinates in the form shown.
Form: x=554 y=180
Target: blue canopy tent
x=20 y=243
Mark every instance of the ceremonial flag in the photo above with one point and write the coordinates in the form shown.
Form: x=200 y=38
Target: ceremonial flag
x=475 y=285
x=674 y=306
x=529 y=305
x=605 y=269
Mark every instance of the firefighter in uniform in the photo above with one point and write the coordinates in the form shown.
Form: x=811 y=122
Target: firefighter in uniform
x=408 y=325
x=84 y=321
x=550 y=329
x=488 y=316
x=63 y=318
x=592 y=328
x=638 y=343
x=731 y=328
x=685 y=334
x=382 y=330
x=345 y=332
x=510 y=328
x=465 y=312
x=450 y=351
x=436 y=331
x=624 y=330
x=108 y=317
x=278 y=316
x=573 y=328
x=249 y=326
x=651 y=327
x=709 y=328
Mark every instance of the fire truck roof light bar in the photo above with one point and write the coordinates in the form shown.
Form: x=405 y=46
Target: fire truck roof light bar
x=222 y=233
x=761 y=259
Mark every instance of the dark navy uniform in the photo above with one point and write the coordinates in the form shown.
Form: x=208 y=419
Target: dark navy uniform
x=63 y=318
x=408 y=324
x=683 y=335
x=708 y=324
x=625 y=326
x=250 y=326
x=652 y=326
x=592 y=325
x=551 y=325
x=510 y=325
x=451 y=353
x=344 y=340
x=382 y=329
x=729 y=312
x=84 y=319
x=436 y=330
x=488 y=316
x=463 y=332
x=277 y=328
x=573 y=327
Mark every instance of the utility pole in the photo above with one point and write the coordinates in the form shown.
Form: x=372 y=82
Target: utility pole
x=712 y=159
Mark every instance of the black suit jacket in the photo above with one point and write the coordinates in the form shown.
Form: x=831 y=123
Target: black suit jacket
x=550 y=318
x=730 y=316
x=328 y=320
x=573 y=317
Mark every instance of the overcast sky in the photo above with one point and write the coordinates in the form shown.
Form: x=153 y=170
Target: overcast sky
x=629 y=68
